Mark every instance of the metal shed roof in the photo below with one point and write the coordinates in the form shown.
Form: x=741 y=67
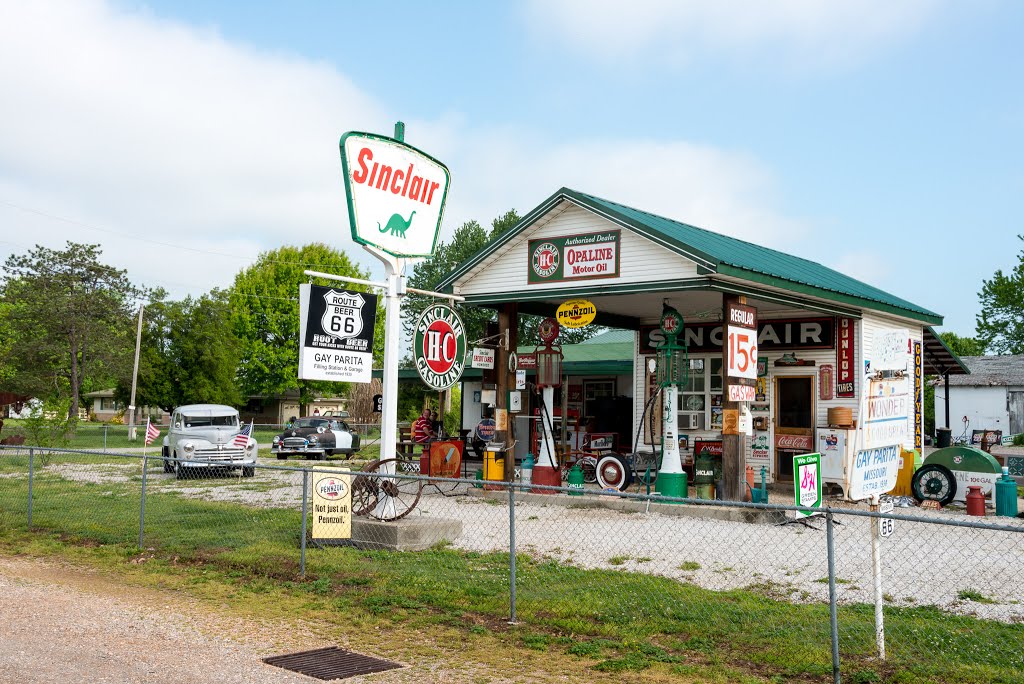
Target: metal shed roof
x=1007 y=370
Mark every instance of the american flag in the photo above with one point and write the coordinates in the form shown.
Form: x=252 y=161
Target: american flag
x=151 y=432
x=241 y=440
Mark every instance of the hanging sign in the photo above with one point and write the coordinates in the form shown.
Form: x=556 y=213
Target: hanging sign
x=845 y=356
x=741 y=335
x=576 y=313
x=574 y=257
x=439 y=346
x=918 y=428
x=826 y=384
x=332 y=507
x=336 y=334
x=482 y=358
x=396 y=194
x=807 y=481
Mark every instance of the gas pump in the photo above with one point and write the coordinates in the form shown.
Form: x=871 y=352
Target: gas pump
x=549 y=376
x=673 y=371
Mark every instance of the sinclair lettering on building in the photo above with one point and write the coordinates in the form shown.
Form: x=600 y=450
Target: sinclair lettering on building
x=396 y=194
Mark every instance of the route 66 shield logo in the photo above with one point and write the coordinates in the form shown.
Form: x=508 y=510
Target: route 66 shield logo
x=343 y=315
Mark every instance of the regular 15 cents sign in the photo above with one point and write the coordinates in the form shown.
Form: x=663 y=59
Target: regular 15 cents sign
x=336 y=334
x=439 y=346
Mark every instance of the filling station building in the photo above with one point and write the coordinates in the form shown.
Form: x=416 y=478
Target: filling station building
x=816 y=328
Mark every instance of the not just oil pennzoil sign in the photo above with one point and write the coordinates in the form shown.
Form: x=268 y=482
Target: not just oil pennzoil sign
x=336 y=334
x=439 y=346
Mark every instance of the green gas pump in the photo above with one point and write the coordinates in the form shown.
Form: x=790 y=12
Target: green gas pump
x=673 y=371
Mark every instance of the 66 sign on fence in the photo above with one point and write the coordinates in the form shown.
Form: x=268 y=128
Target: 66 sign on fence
x=439 y=346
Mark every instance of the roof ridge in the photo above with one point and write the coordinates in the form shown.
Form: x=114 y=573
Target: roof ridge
x=780 y=253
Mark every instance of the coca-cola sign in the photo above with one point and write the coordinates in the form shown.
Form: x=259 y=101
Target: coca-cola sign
x=794 y=442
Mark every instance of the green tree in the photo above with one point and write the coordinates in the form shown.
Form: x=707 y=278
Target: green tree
x=265 y=319
x=69 y=321
x=1000 y=325
x=188 y=354
x=962 y=346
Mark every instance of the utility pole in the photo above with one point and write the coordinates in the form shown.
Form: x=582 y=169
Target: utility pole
x=135 y=376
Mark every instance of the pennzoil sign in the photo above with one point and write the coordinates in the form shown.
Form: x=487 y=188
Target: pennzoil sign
x=576 y=313
x=574 y=257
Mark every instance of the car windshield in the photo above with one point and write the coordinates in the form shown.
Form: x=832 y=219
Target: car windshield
x=210 y=421
x=310 y=423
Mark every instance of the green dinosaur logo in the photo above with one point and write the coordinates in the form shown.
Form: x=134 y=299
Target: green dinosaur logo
x=396 y=224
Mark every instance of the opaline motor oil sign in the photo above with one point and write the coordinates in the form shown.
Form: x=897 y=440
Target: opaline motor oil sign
x=574 y=257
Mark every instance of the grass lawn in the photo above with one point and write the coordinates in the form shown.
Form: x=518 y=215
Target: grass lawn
x=615 y=625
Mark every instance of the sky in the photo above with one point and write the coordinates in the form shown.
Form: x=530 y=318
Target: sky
x=883 y=139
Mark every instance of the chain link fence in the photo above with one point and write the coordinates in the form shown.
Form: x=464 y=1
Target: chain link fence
x=622 y=580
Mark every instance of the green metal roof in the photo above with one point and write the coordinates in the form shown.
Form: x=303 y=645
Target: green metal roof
x=723 y=255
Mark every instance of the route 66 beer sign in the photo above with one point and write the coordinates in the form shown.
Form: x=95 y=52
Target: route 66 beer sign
x=439 y=346
x=336 y=334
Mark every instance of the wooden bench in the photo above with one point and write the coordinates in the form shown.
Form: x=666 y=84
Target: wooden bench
x=405 y=446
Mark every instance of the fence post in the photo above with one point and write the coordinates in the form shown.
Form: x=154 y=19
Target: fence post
x=142 y=500
x=833 y=619
x=104 y=437
x=512 y=551
x=305 y=508
x=31 y=461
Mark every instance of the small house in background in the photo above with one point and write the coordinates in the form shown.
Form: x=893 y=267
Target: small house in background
x=101 y=406
x=990 y=398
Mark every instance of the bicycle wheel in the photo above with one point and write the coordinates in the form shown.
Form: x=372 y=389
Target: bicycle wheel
x=588 y=464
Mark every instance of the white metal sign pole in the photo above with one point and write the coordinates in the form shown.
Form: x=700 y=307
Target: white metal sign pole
x=876 y=572
x=389 y=416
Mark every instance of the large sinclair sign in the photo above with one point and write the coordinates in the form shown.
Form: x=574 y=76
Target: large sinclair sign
x=396 y=194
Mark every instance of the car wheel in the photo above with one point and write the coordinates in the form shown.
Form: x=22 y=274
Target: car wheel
x=281 y=456
x=168 y=463
x=248 y=471
x=328 y=452
x=180 y=471
x=613 y=473
x=934 y=482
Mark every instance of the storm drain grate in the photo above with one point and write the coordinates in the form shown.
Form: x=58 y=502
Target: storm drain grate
x=330 y=663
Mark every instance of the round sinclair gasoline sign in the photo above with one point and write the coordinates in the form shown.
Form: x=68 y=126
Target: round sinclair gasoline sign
x=439 y=346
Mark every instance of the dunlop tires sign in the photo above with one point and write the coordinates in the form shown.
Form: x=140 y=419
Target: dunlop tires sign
x=576 y=313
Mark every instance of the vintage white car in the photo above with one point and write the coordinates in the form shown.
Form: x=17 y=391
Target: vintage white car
x=204 y=436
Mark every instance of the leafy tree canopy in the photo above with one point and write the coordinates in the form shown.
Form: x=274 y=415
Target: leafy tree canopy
x=265 y=319
x=1000 y=325
x=68 y=322
x=187 y=355
x=962 y=346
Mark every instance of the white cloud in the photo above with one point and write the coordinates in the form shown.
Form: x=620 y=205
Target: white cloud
x=147 y=127
x=813 y=33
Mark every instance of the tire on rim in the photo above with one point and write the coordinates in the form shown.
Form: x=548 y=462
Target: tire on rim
x=934 y=482
x=613 y=473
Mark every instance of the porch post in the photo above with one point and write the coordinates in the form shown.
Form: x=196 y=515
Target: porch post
x=732 y=441
x=508 y=325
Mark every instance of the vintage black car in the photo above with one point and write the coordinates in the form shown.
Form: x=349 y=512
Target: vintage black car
x=316 y=437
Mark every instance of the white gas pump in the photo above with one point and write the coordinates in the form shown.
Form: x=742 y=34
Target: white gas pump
x=673 y=371
x=549 y=376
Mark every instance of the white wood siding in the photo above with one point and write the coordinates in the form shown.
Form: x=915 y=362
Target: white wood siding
x=640 y=260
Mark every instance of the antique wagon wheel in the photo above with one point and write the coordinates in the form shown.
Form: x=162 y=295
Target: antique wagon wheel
x=383 y=497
